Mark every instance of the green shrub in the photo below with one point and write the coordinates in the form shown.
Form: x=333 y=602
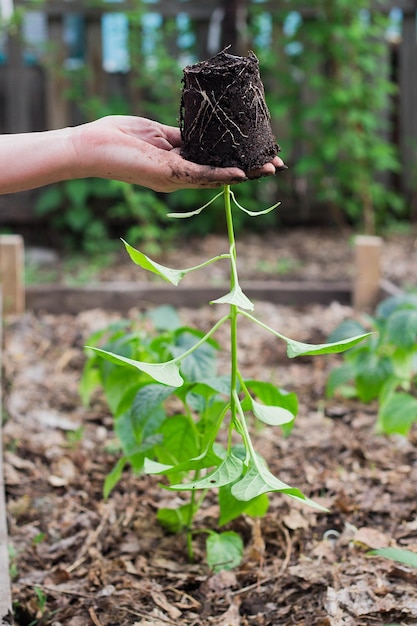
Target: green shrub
x=384 y=368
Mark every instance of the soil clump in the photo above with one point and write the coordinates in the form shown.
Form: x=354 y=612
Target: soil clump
x=224 y=118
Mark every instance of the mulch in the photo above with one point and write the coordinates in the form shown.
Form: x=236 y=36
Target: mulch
x=76 y=559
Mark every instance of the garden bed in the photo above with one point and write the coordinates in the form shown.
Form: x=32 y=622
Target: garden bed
x=76 y=559
x=79 y=560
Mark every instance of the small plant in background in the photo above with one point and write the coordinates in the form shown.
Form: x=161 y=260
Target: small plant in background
x=206 y=444
x=384 y=368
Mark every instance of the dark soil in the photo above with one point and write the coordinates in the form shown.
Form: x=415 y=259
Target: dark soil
x=224 y=118
x=77 y=560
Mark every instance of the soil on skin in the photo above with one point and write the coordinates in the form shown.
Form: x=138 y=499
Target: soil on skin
x=78 y=560
x=224 y=118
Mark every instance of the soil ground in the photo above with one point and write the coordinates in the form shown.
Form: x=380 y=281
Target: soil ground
x=78 y=560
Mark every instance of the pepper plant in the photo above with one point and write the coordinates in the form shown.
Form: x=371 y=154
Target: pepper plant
x=207 y=444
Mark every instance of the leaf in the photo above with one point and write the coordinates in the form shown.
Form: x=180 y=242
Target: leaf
x=200 y=364
x=208 y=459
x=272 y=415
x=165 y=318
x=174 y=520
x=224 y=550
x=231 y=507
x=228 y=472
x=296 y=348
x=171 y=275
x=338 y=377
x=398 y=413
x=259 y=480
x=236 y=297
x=397 y=554
x=180 y=441
x=402 y=328
x=253 y=213
x=166 y=373
x=113 y=477
x=196 y=211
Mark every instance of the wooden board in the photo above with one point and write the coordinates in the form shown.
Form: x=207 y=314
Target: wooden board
x=5 y=592
x=124 y=296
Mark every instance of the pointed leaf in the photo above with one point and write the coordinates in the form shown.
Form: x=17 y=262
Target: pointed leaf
x=236 y=297
x=272 y=415
x=226 y=473
x=197 y=211
x=259 y=480
x=296 y=348
x=407 y=557
x=171 y=275
x=166 y=373
x=207 y=459
x=253 y=213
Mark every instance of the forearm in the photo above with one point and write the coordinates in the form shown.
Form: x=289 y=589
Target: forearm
x=31 y=160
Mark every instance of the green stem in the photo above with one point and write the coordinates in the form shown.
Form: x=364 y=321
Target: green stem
x=233 y=308
x=201 y=341
x=219 y=257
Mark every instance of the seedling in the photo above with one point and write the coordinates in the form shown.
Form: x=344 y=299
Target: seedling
x=207 y=444
x=384 y=368
x=196 y=450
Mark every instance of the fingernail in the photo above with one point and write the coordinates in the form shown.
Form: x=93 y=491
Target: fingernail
x=281 y=168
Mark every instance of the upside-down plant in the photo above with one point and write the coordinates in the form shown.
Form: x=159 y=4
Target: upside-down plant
x=207 y=444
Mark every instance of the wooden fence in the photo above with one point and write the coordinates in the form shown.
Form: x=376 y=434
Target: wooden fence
x=33 y=95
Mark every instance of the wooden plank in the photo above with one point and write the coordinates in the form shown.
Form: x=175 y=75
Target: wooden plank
x=12 y=273
x=5 y=587
x=124 y=296
x=366 y=288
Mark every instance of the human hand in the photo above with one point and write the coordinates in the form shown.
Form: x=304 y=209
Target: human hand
x=143 y=152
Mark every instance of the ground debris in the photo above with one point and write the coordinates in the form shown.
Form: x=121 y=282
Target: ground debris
x=109 y=563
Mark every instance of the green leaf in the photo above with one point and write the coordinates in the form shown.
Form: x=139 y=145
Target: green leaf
x=236 y=297
x=258 y=480
x=228 y=472
x=338 y=377
x=171 y=275
x=201 y=363
x=90 y=380
x=180 y=443
x=196 y=211
x=274 y=396
x=231 y=507
x=397 y=414
x=205 y=460
x=166 y=373
x=272 y=415
x=296 y=348
x=397 y=554
x=165 y=318
x=253 y=213
x=224 y=550
x=174 y=520
x=372 y=372
x=402 y=328
x=113 y=477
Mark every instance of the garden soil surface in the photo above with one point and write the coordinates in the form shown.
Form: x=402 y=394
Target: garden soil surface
x=78 y=560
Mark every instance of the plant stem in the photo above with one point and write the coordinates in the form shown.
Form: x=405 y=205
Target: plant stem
x=233 y=308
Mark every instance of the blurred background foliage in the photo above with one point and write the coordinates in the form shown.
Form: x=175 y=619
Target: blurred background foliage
x=329 y=69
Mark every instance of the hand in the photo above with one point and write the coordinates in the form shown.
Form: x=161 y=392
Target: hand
x=143 y=152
